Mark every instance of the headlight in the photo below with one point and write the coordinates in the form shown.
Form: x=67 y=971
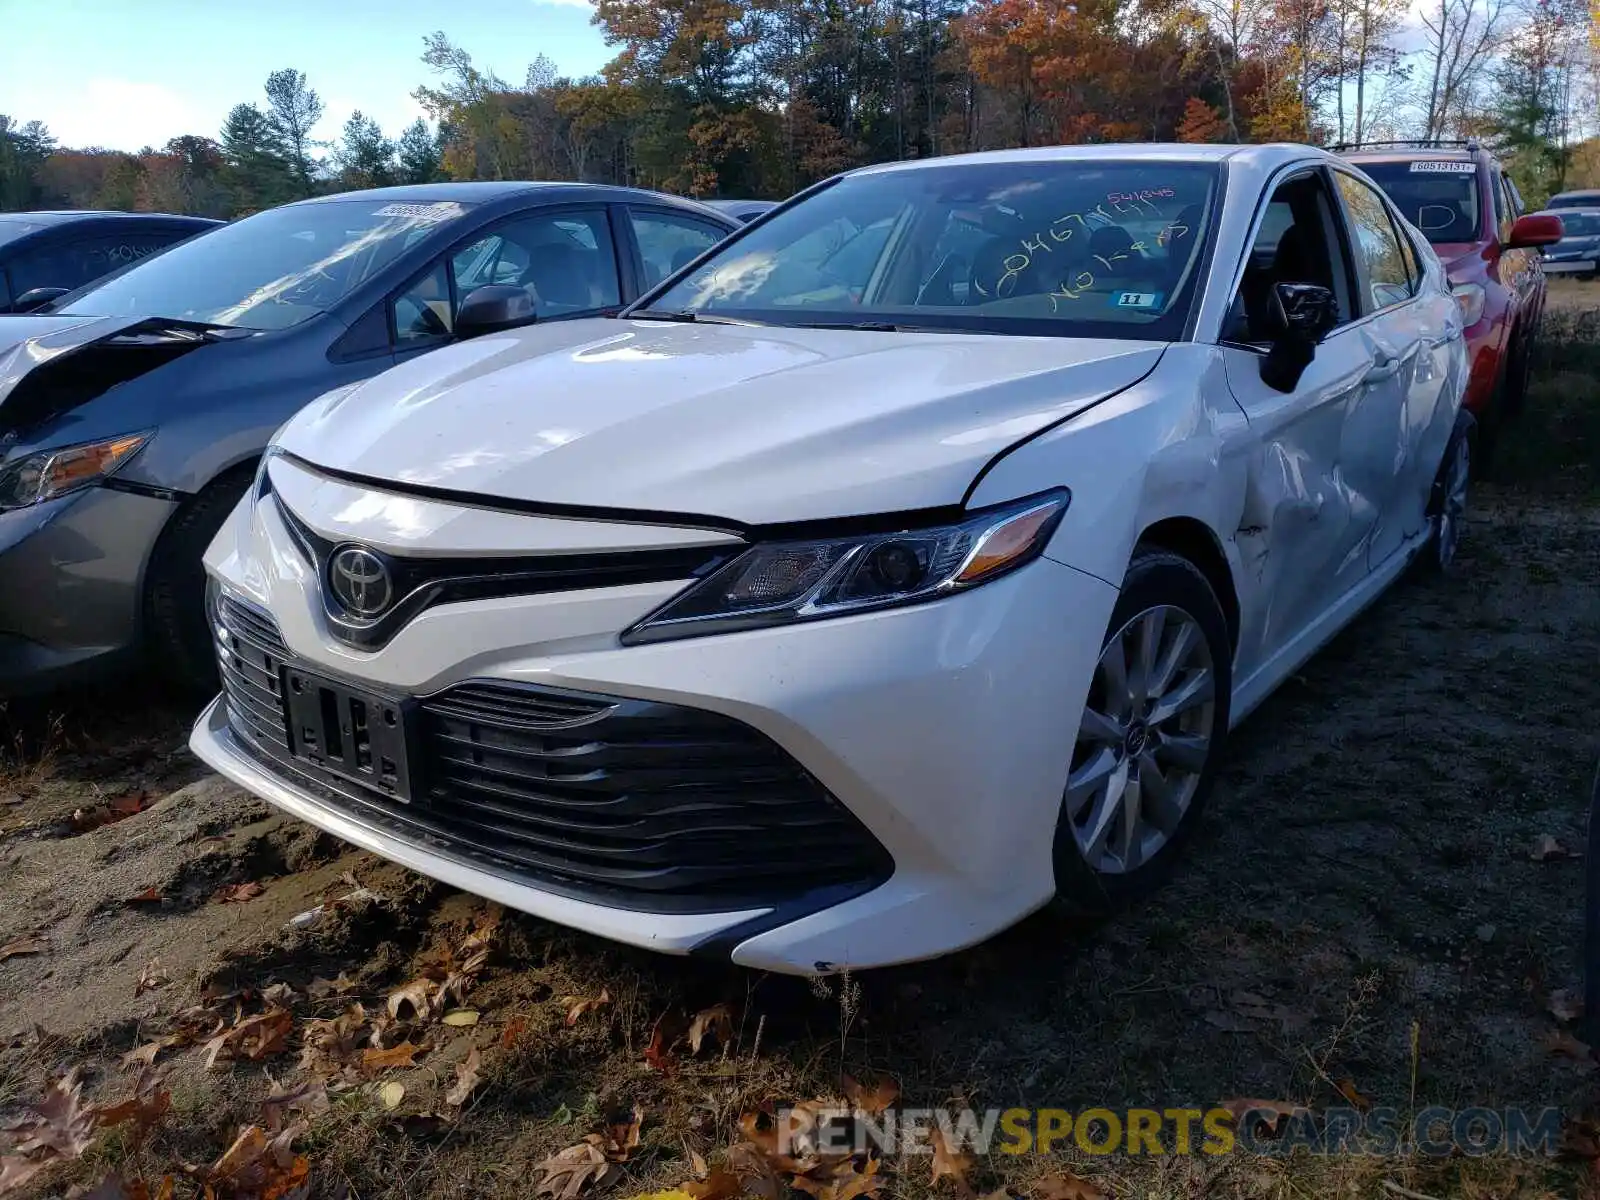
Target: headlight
x=782 y=582
x=51 y=473
x=1470 y=298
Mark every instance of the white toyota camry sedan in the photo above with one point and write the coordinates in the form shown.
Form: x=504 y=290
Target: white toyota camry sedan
x=897 y=566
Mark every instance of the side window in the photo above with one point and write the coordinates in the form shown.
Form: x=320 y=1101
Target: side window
x=669 y=241
x=1502 y=210
x=424 y=311
x=1380 y=266
x=1408 y=252
x=564 y=259
x=1294 y=243
x=73 y=264
x=1515 y=197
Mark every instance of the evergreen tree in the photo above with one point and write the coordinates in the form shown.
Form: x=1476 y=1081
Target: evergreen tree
x=420 y=154
x=256 y=173
x=293 y=110
x=365 y=156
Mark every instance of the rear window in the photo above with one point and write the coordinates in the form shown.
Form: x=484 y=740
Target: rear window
x=11 y=230
x=1581 y=224
x=1438 y=196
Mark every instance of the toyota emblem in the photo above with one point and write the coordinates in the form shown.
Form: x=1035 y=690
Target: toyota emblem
x=360 y=582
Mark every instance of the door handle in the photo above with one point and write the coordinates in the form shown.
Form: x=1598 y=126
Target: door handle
x=1382 y=368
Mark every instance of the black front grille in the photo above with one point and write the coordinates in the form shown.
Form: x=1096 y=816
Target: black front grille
x=651 y=805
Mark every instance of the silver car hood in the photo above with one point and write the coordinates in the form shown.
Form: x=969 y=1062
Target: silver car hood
x=752 y=424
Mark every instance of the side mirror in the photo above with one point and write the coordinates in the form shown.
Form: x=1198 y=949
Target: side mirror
x=36 y=298
x=1299 y=315
x=1535 y=229
x=493 y=307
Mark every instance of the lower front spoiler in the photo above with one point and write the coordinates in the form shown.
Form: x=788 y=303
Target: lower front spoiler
x=668 y=933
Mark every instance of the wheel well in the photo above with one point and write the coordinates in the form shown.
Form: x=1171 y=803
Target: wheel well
x=1194 y=541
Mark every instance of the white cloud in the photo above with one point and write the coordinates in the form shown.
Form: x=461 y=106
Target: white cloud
x=123 y=114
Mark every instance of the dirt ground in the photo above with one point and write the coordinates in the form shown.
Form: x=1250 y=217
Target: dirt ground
x=1374 y=898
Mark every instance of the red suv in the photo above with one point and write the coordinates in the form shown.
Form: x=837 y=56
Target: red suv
x=1471 y=213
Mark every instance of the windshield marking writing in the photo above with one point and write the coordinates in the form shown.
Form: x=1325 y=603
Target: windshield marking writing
x=1015 y=264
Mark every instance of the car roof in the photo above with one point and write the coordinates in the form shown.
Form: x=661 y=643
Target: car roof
x=483 y=191
x=64 y=216
x=1265 y=156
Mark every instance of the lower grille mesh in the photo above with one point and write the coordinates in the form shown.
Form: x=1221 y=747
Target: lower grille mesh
x=652 y=805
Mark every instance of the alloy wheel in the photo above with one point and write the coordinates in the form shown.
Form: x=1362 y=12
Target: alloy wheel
x=1143 y=741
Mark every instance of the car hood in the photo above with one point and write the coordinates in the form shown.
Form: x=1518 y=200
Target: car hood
x=751 y=424
x=98 y=353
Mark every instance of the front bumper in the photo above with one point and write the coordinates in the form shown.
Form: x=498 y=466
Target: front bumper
x=945 y=729
x=73 y=576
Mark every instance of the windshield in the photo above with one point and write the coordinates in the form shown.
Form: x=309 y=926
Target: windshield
x=1580 y=224
x=1438 y=196
x=269 y=271
x=1066 y=248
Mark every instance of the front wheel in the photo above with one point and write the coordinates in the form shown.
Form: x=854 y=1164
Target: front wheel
x=1149 y=737
x=177 y=632
x=1447 y=505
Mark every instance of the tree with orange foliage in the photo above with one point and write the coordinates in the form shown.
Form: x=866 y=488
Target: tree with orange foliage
x=1201 y=123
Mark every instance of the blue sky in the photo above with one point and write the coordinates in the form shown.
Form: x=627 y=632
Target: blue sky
x=130 y=73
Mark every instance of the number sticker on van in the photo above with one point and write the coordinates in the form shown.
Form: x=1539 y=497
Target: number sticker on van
x=1444 y=165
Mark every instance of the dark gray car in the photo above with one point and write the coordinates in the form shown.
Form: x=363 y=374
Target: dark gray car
x=133 y=412
x=1578 y=251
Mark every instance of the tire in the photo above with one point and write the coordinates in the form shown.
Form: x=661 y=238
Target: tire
x=1100 y=881
x=177 y=631
x=1447 y=503
x=1514 y=389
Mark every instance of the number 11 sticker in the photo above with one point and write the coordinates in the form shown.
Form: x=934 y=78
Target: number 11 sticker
x=1138 y=300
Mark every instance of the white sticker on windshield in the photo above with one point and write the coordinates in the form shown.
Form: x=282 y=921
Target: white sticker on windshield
x=1138 y=300
x=444 y=210
x=1439 y=164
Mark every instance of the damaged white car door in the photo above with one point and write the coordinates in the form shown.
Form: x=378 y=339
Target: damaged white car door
x=1324 y=449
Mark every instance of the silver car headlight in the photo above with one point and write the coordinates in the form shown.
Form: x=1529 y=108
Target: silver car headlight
x=779 y=583
x=44 y=475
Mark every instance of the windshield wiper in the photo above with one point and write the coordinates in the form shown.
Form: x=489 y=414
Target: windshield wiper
x=687 y=317
x=885 y=327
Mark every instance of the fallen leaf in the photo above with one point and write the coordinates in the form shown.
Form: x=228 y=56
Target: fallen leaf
x=129 y=804
x=309 y=1098
x=416 y=996
x=403 y=1055
x=578 y=1007
x=31 y=944
x=720 y=1184
x=1347 y=1089
x=658 y=1051
x=839 y=1180
x=466 y=1080
x=252 y=1038
x=111 y=1187
x=572 y=1170
x=151 y=978
x=512 y=1032
x=716 y=1020
x=948 y=1163
x=1548 y=849
x=320 y=988
x=146 y=1054
x=1564 y=1005
x=1064 y=1185
x=59 y=1126
x=255 y=1165
x=460 y=1016
x=754 y=1172
x=1267 y=1113
x=392 y=1093
x=148 y=1104
x=873 y=1100
x=237 y=893
x=1562 y=1044
x=332 y=1046
x=622 y=1137
x=151 y=895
